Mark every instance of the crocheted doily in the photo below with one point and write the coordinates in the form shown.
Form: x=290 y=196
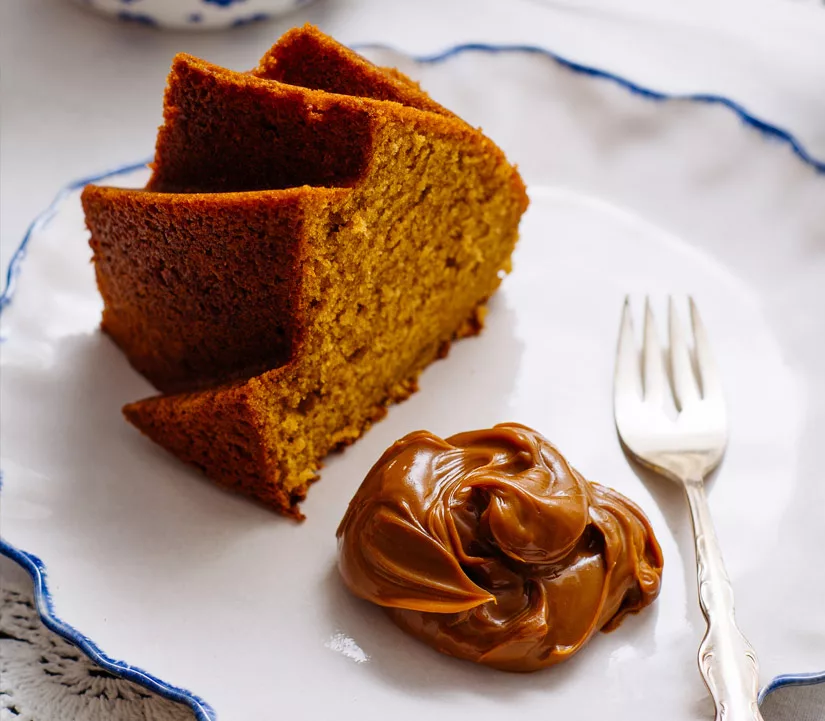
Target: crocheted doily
x=44 y=678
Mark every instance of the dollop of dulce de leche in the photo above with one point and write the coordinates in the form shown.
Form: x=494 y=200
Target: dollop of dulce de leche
x=490 y=547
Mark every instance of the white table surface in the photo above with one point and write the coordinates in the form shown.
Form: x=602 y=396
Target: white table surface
x=79 y=93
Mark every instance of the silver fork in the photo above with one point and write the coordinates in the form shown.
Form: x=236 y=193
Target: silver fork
x=686 y=450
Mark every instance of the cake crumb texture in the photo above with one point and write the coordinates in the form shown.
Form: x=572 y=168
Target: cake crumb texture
x=314 y=234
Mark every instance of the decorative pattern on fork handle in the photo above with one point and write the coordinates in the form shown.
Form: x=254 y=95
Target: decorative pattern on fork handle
x=727 y=660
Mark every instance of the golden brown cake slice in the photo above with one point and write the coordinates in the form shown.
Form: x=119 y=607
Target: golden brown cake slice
x=294 y=315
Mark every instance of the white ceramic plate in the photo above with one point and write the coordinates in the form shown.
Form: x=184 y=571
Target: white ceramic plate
x=206 y=592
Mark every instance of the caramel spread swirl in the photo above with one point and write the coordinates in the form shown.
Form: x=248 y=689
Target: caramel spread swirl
x=490 y=547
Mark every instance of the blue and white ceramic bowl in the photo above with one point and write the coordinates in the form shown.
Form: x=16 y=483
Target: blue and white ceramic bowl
x=194 y=14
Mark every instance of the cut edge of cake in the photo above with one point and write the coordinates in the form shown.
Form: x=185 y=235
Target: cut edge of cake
x=256 y=435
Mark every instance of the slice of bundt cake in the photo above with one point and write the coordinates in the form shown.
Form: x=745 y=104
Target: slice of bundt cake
x=283 y=318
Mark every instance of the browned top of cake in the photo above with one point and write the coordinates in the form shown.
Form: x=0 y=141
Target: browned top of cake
x=306 y=57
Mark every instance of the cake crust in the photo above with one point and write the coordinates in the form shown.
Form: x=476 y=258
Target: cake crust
x=298 y=258
x=308 y=58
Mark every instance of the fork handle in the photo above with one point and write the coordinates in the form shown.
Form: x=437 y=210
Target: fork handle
x=727 y=661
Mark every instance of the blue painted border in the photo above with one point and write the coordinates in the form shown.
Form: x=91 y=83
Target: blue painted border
x=31 y=563
x=36 y=568
x=772 y=131
x=43 y=601
x=791 y=679
x=42 y=220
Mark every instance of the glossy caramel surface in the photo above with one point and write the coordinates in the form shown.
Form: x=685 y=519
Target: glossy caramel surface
x=490 y=547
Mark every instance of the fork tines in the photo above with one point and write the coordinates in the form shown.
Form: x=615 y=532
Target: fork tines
x=652 y=384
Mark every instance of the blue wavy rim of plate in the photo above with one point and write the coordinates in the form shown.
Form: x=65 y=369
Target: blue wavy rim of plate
x=37 y=569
